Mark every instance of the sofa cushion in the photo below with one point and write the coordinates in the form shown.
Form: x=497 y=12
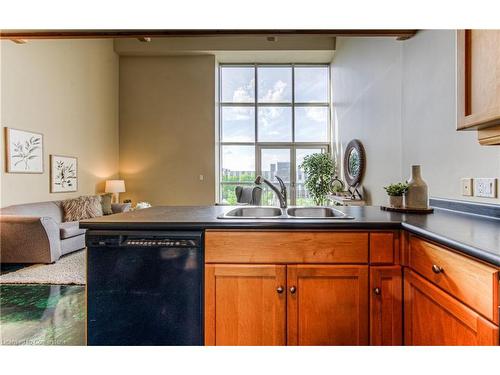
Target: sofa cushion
x=82 y=208
x=70 y=229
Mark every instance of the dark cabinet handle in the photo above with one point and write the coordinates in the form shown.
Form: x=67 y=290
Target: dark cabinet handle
x=280 y=289
x=377 y=291
x=436 y=269
x=293 y=289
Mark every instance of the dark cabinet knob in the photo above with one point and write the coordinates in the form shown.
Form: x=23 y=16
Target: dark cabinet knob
x=293 y=289
x=377 y=291
x=280 y=289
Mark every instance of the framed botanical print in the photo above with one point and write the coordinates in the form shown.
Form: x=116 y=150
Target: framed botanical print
x=63 y=174
x=24 y=151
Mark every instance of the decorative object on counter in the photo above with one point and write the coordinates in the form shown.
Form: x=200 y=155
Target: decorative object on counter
x=24 y=150
x=395 y=193
x=142 y=205
x=63 y=174
x=337 y=185
x=319 y=170
x=416 y=195
x=354 y=167
x=345 y=200
x=116 y=187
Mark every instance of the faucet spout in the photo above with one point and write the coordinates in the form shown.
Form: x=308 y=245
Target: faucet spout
x=282 y=194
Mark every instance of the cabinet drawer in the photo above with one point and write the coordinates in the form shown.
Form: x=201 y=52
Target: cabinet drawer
x=285 y=247
x=472 y=282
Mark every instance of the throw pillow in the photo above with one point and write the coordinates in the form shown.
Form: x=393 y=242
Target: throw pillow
x=82 y=208
x=106 y=203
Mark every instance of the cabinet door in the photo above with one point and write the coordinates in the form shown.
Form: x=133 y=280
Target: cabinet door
x=327 y=305
x=478 y=54
x=386 y=306
x=245 y=304
x=433 y=317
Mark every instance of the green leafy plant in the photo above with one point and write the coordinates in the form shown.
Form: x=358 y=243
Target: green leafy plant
x=396 y=190
x=319 y=170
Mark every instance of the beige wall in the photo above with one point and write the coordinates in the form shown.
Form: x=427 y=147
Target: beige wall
x=167 y=125
x=399 y=99
x=67 y=90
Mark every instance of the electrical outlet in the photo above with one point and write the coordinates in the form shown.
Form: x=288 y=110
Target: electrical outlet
x=467 y=186
x=485 y=187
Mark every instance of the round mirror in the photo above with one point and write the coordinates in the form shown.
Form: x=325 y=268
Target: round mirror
x=354 y=162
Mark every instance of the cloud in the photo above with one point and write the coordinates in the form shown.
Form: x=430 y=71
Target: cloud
x=276 y=93
x=317 y=114
x=244 y=93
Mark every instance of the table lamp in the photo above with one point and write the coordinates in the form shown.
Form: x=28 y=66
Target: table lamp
x=116 y=187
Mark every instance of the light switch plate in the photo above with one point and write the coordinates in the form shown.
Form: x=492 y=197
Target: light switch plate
x=467 y=186
x=485 y=187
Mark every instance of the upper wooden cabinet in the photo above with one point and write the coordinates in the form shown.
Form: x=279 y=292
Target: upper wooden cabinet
x=478 y=80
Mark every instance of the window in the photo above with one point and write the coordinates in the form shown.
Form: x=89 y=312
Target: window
x=271 y=117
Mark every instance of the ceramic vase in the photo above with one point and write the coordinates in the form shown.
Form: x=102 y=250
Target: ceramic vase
x=396 y=201
x=416 y=196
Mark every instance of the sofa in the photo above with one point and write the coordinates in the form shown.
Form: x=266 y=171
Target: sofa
x=36 y=232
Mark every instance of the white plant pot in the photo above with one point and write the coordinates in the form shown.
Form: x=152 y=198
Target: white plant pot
x=396 y=201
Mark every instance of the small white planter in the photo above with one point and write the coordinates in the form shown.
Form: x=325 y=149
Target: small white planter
x=396 y=201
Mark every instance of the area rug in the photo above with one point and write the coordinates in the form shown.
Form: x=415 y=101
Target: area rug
x=69 y=269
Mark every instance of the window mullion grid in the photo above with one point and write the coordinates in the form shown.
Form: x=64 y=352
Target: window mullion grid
x=260 y=145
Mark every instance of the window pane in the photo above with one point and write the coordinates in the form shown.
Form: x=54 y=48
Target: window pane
x=303 y=197
x=274 y=124
x=311 y=124
x=238 y=124
x=311 y=84
x=238 y=164
x=237 y=84
x=274 y=162
x=275 y=84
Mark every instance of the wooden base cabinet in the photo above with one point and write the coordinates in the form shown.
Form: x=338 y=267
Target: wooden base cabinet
x=245 y=304
x=386 y=306
x=433 y=317
x=279 y=305
x=327 y=305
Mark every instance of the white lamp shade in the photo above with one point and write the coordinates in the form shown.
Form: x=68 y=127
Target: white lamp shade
x=115 y=186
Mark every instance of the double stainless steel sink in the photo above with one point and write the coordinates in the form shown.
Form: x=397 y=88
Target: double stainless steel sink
x=264 y=212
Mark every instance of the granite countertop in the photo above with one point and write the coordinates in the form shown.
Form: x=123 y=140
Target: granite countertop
x=475 y=235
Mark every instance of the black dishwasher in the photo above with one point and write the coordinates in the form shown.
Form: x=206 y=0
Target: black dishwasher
x=144 y=288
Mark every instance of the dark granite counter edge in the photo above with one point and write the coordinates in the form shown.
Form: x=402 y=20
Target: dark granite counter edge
x=456 y=245
x=240 y=225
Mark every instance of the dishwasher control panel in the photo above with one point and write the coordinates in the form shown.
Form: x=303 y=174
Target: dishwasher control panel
x=157 y=242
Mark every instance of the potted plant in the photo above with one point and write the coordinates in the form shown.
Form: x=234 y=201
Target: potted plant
x=319 y=169
x=396 y=192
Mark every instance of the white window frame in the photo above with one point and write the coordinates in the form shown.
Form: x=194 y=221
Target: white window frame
x=293 y=146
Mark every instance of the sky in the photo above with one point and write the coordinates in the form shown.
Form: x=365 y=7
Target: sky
x=274 y=123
